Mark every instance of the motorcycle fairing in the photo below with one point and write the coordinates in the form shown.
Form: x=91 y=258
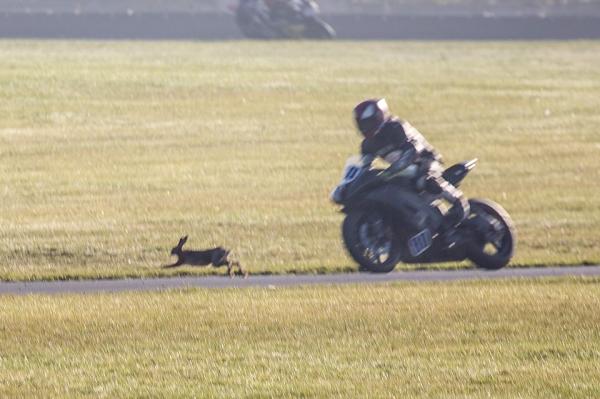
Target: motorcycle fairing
x=409 y=208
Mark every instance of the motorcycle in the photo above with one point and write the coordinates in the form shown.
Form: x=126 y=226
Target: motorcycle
x=388 y=221
x=295 y=19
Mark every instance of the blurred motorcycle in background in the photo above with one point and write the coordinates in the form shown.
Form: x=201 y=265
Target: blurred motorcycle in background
x=281 y=19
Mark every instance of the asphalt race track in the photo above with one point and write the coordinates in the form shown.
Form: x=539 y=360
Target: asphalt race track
x=221 y=26
x=212 y=282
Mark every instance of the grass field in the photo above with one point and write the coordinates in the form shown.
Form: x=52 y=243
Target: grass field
x=112 y=150
x=502 y=339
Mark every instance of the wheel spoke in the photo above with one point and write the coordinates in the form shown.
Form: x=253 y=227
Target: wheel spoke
x=497 y=244
x=375 y=239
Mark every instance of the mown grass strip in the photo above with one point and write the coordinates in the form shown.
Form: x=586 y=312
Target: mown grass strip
x=526 y=338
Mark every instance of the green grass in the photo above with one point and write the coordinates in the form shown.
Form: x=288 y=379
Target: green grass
x=475 y=339
x=112 y=150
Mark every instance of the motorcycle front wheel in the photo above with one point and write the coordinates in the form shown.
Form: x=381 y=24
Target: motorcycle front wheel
x=370 y=241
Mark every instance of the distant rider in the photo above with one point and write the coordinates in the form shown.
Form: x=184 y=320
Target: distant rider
x=407 y=151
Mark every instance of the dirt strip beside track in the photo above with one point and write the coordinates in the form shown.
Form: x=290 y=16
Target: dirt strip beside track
x=274 y=281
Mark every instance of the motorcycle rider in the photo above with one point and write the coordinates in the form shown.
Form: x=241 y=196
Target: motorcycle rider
x=408 y=153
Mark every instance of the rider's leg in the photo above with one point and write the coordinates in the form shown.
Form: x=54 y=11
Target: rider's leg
x=459 y=209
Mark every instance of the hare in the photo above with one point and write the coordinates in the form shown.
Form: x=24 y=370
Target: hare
x=216 y=256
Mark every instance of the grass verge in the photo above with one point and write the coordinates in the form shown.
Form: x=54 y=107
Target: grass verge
x=113 y=150
x=525 y=338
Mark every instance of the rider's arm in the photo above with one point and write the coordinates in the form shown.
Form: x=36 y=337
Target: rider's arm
x=367 y=154
x=402 y=158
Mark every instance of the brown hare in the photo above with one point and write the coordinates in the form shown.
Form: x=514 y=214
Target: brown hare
x=216 y=256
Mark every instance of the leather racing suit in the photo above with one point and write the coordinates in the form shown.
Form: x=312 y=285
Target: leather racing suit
x=403 y=146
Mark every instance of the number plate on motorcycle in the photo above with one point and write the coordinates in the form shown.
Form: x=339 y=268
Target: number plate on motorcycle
x=420 y=243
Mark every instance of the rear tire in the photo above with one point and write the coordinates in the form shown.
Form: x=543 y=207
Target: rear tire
x=486 y=253
x=360 y=229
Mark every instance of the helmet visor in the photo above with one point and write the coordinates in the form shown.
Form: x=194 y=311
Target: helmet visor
x=368 y=127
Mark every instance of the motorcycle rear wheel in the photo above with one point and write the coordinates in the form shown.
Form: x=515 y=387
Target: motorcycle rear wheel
x=370 y=241
x=492 y=249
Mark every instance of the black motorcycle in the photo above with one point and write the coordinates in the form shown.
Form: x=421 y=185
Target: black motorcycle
x=388 y=221
x=295 y=19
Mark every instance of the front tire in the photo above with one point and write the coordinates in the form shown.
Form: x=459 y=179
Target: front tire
x=493 y=242
x=370 y=241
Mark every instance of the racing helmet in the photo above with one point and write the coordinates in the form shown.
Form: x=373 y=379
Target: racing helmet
x=370 y=115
